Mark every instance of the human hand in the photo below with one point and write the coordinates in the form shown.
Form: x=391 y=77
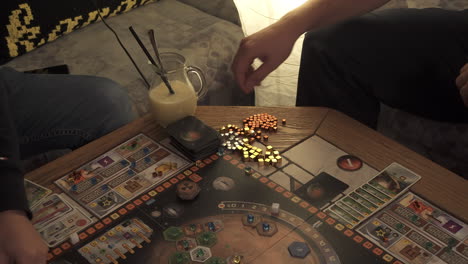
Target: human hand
x=20 y=243
x=272 y=45
x=462 y=84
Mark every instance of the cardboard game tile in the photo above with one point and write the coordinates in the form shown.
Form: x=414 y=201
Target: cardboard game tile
x=321 y=190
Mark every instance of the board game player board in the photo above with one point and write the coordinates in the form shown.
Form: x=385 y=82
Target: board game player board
x=418 y=231
x=230 y=220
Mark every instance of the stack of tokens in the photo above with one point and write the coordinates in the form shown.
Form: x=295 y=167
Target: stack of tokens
x=264 y=121
x=231 y=137
x=241 y=139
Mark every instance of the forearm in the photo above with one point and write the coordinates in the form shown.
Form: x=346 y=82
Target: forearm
x=315 y=14
x=12 y=195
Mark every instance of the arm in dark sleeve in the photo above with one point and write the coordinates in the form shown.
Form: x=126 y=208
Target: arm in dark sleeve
x=12 y=193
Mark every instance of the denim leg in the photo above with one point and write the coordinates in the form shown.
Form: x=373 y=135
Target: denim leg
x=54 y=112
x=405 y=58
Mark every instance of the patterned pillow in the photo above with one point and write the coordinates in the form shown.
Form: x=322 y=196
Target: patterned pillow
x=28 y=24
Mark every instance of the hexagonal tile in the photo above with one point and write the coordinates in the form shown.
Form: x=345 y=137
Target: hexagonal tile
x=266 y=228
x=200 y=254
x=207 y=239
x=251 y=220
x=193 y=229
x=180 y=258
x=186 y=244
x=298 y=249
x=214 y=226
x=216 y=260
x=173 y=233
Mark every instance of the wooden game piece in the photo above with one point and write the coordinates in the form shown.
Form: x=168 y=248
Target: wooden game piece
x=119 y=253
x=279 y=160
x=187 y=190
x=261 y=162
x=136 y=243
x=129 y=249
x=143 y=226
x=283 y=121
x=109 y=257
x=74 y=238
x=275 y=207
x=147 y=240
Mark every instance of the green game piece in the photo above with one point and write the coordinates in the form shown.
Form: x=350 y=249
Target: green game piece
x=180 y=258
x=216 y=260
x=173 y=233
x=414 y=218
x=207 y=239
x=399 y=226
x=428 y=245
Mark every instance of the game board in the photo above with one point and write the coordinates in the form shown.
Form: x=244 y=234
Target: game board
x=323 y=217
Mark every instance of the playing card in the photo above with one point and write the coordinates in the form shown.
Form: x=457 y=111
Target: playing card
x=357 y=206
x=394 y=179
x=321 y=190
x=193 y=135
x=345 y=215
x=60 y=229
x=49 y=209
x=35 y=192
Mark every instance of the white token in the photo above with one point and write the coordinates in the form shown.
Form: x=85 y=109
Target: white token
x=74 y=238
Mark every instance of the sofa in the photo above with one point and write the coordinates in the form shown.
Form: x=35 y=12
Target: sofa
x=206 y=33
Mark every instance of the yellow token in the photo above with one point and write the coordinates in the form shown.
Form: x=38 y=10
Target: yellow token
x=93 y=205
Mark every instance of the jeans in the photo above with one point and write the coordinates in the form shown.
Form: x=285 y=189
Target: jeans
x=55 y=112
x=405 y=58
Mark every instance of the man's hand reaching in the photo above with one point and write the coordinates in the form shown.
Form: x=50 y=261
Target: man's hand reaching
x=271 y=45
x=462 y=84
x=20 y=243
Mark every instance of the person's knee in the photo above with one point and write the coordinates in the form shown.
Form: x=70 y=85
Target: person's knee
x=113 y=103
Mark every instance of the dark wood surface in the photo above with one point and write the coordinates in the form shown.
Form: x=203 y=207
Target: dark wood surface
x=442 y=187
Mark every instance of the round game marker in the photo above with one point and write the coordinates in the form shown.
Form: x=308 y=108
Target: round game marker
x=349 y=163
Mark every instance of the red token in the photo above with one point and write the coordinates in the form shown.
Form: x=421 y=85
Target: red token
x=349 y=163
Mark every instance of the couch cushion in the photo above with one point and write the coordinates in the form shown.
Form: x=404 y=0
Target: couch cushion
x=206 y=41
x=33 y=23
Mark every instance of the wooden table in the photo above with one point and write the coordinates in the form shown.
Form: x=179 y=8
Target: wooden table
x=444 y=188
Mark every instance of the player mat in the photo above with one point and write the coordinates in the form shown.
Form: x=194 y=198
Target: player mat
x=121 y=174
x=56 y=217
x=418 y=232
x=377 y=193
x=230 y=221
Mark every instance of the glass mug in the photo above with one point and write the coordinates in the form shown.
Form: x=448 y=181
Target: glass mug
x=167 y=107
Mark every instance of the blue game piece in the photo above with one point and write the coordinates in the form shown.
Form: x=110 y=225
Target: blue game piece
x=93 y=181
x=124 y=162
x=250 y=218
x=74 y=187
x=266 y=227
x=133 y=164
x=220 y=151
x=145 y=150
x=104 y=187
x=130 y=172
x=147 y=159
x=211 y=226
